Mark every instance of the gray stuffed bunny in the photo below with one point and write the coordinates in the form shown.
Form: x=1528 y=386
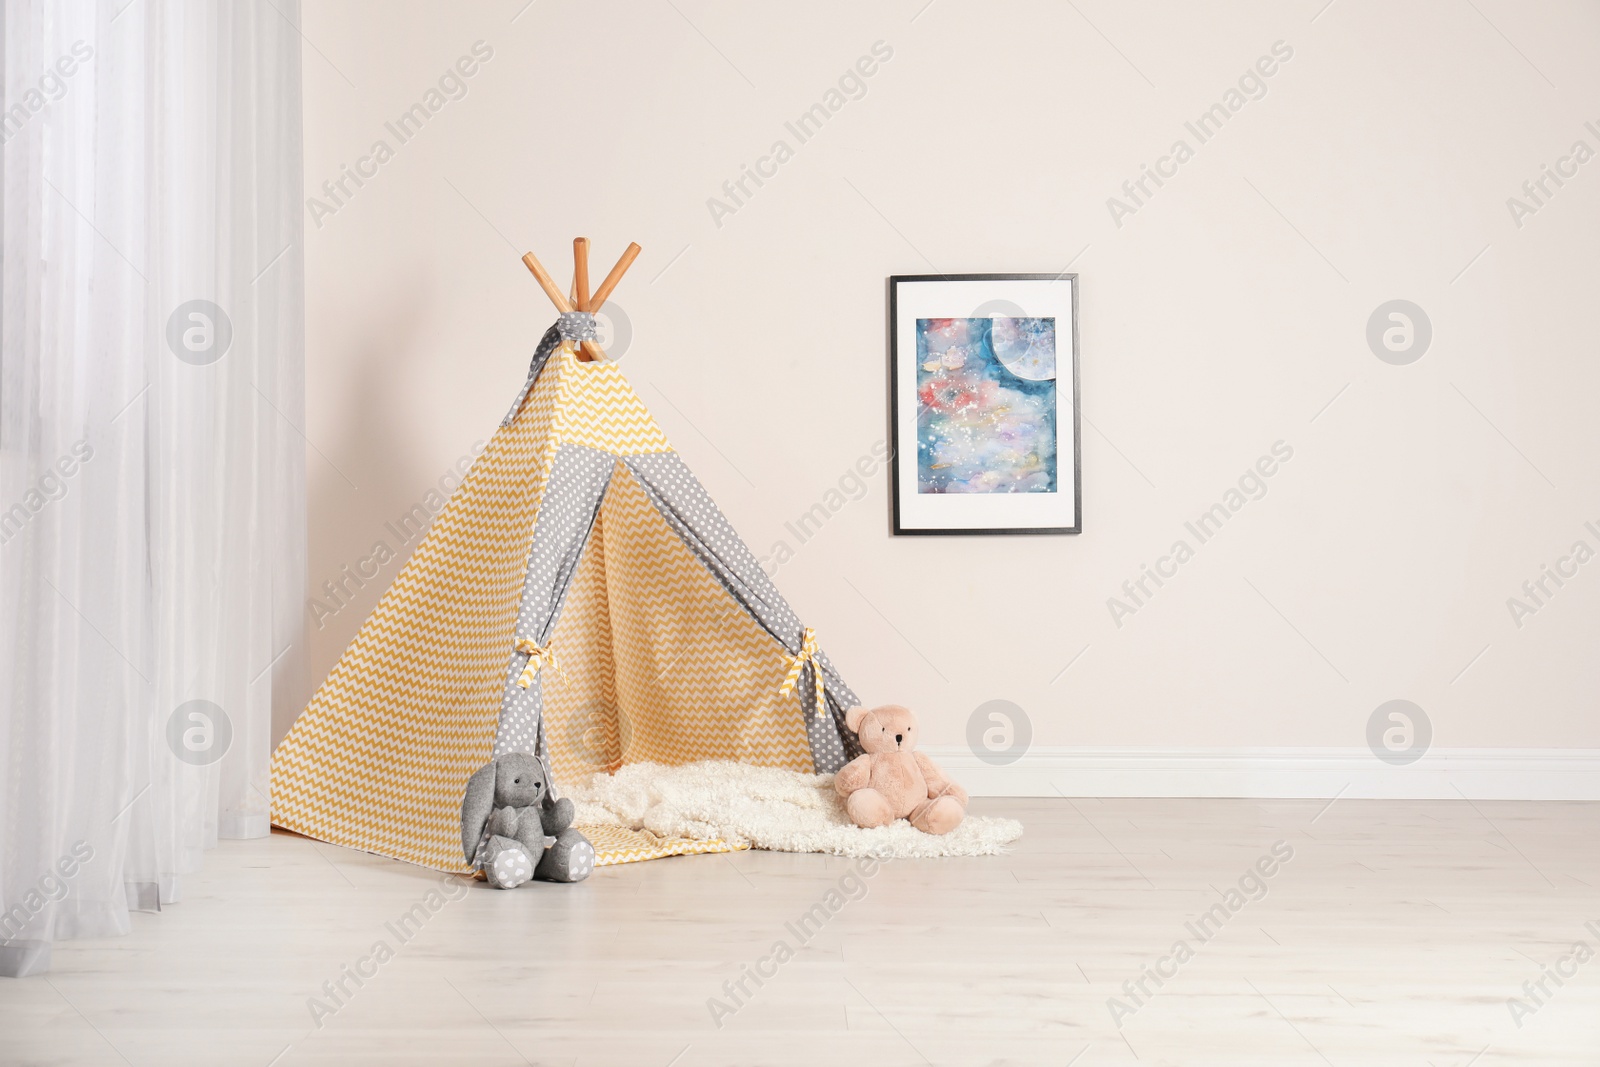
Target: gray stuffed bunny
x=514 y=828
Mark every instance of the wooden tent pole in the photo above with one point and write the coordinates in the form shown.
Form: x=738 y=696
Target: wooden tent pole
x=547 y=283
x=580 y=270
x=600 y=295
x=591 y=352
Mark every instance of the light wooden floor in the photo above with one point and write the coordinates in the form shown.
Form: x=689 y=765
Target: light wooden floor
x=1395 y=935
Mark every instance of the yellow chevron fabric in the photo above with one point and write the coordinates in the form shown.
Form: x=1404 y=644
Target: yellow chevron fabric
x=600 y=409
x=618 y=844
x=659 y=662
x=581 y=718
x=378 y=759
x=664 y=665
x=696 y=676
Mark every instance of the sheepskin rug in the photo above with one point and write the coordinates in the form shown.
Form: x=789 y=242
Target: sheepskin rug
x=765 y=807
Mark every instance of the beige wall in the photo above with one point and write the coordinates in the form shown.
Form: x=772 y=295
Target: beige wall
x=1220 y=318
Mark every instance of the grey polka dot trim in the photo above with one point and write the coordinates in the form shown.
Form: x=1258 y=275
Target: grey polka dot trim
x=541 y=355
x=577 y=326
x=578 y=479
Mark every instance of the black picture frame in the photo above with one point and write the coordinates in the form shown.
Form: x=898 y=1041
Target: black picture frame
x=897 y=526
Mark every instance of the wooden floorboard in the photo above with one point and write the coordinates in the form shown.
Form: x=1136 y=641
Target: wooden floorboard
x=1396 y=933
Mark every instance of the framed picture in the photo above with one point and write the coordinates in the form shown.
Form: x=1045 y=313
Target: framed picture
x=983 y=403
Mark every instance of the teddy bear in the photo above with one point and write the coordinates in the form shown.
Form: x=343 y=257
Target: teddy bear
x=514 y=828
x=893 y=780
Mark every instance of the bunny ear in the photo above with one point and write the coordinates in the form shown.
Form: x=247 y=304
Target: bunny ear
x=476 y=806
x=549 y=781
x=853 y=717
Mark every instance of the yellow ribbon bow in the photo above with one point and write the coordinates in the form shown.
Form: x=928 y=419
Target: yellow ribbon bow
x=538 y=658
x=808 y=654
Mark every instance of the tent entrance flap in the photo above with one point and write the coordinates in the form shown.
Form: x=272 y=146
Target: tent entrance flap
x=660 y=663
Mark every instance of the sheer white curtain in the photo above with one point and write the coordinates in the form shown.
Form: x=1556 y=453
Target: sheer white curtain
x=152 y=470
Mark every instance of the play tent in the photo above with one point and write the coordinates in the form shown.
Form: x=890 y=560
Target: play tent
x=580 y=596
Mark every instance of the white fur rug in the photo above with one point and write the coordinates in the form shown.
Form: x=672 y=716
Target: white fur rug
x=764 y=807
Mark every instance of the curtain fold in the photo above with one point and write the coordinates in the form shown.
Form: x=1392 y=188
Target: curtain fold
x=152 y=465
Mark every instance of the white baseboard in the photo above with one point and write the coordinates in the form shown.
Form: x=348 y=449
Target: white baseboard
x=1289 y=773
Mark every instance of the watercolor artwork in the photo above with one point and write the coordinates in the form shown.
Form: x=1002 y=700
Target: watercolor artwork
x=986 y=405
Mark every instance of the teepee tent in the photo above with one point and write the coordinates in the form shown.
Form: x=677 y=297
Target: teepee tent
x=580 y=597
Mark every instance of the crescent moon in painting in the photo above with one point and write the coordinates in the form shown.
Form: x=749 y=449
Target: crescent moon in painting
x=1026 y=347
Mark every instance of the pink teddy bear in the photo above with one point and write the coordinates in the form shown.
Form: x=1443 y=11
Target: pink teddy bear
x=893 y=780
